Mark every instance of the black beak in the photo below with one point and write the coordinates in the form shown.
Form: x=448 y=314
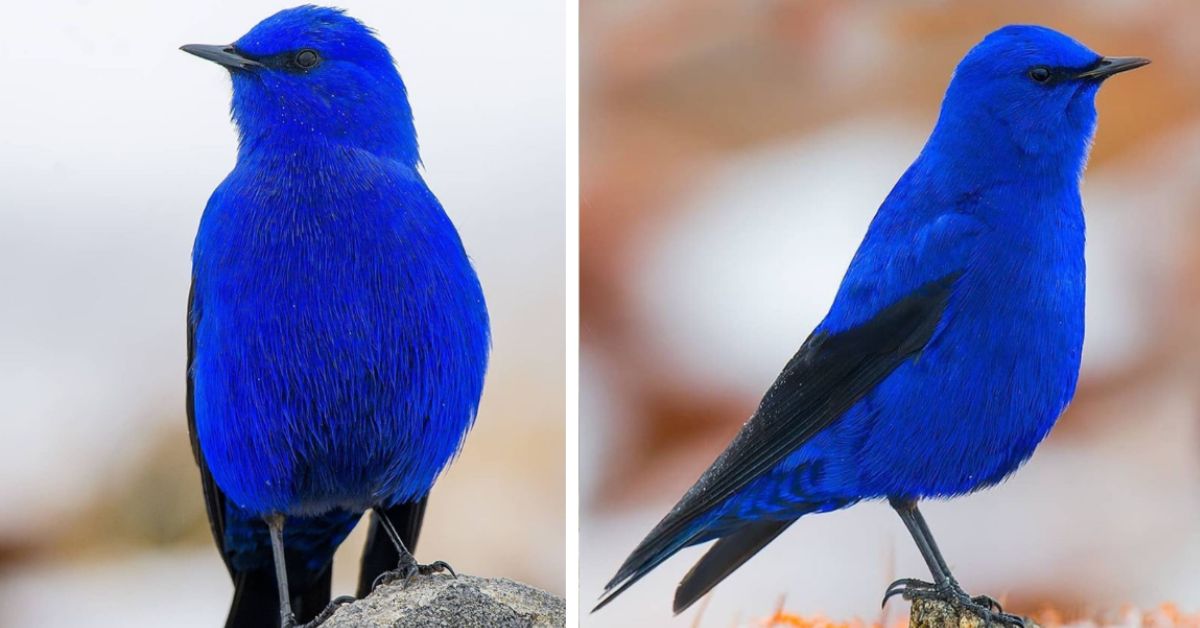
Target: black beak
x=227 y=56
x=1108 y=66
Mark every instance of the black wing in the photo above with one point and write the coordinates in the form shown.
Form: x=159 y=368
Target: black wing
x=828 y=375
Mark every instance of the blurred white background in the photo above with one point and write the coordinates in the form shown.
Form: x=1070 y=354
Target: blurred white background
x=112 y=141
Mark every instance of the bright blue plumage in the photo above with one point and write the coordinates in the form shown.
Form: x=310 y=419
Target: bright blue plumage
x=954 y=341
x=339 y=332
x=348 y=329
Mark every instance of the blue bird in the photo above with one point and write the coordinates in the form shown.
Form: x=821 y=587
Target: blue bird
x=337 y=332
x=953 y=343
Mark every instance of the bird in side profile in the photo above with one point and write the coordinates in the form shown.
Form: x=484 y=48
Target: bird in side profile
x=953 y=343
x=337 y=333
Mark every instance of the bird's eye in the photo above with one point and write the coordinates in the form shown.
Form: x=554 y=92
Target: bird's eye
x=307 y=59
x=1040 y=74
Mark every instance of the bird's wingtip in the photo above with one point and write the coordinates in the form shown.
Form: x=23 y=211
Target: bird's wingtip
x=611 y=591
x=601 y=603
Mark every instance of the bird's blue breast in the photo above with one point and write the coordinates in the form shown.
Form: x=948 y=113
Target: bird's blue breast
x=979 y=399
x=342 y=335
x=1003 y=364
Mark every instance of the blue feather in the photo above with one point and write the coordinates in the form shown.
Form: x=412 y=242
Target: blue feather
x=339 y=334
x=953 y=344
x=349 y=333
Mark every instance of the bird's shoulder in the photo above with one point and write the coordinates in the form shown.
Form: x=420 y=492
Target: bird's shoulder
x=901 y=253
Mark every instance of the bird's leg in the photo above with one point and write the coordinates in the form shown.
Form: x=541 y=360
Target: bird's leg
x=408 y=567
x=910 y=586
x=324 y=615
x=944 y=587
x=287 y=619
x=985 y=600
x=275 y=524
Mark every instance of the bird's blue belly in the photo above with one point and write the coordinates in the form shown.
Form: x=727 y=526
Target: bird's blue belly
x=334 y=422
x=973 y=406
x=346 y=378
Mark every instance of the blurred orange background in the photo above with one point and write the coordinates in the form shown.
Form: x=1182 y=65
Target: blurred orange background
x=732 y=156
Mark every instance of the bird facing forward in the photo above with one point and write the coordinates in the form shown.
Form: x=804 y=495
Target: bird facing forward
x=337 y=333
x=953 y=343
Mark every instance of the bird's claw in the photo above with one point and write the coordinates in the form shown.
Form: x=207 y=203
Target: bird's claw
x=407 y=571
x=437 y=566
x=322 y=617
x=329 y=610
x=906 y=587
x=986 y=607
x=988 y=602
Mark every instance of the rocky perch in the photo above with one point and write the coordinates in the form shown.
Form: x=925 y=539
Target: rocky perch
x=928 y=613
x=442 y=600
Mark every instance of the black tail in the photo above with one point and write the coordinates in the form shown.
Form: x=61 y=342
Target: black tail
x=657 y=547
x=256 y=599
x=380 y=555
x=725 y=556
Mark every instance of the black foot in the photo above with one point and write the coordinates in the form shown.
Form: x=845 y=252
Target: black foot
x=986 y=607
x=408 y=571
x=322 y=617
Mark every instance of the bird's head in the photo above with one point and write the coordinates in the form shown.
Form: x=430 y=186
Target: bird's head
x=1030 y=90
x=314 y=74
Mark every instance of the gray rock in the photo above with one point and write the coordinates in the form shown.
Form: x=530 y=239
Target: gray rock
x=441 y=601
x=937 y=614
